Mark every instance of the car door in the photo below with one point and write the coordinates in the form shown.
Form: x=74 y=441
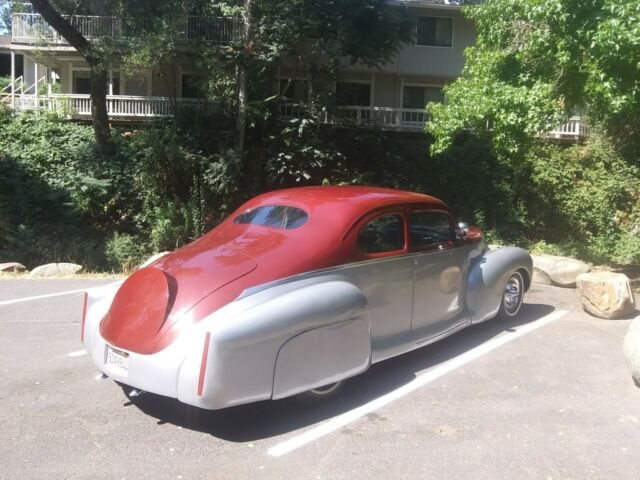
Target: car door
x=383 y=270
x=439 y=267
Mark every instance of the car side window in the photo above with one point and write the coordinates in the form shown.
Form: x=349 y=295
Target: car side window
x=429 y=228
x=382 y=234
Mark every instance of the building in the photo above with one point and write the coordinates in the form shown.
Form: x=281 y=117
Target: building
x=54 y=75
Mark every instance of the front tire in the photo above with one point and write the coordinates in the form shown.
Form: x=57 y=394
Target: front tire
x=512 y=297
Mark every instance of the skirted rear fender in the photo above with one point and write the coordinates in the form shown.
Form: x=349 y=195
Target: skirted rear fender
x=488 y=277
x=295 y=338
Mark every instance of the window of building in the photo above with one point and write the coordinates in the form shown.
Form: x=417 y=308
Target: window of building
x=418 y=97
x=81 y=82
x=351 y=93
x=382 y=234
x=193 y=85
x=295 y=91
x=429 y=228
x=435 y=31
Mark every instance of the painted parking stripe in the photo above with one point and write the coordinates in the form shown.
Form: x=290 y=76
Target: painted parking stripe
x=50 y=295
x=79 y=353
x=352 y=415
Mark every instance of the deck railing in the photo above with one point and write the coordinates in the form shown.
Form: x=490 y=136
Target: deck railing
x=574 y=128
x=118 y=106
x=32 y=28
x=129 y=106
x=382 y=117
x=405 y=119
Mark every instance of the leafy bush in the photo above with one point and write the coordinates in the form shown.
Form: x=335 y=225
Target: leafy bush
x=167 y=183
x=587 y=197
x=125 y=252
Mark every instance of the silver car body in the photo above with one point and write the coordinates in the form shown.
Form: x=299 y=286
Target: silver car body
x=298 y=333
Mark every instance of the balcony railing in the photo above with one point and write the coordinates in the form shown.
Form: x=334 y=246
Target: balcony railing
x=404 y=119
x=32 y=28
x=388 y=118
x=574 y=128
x=118 y=106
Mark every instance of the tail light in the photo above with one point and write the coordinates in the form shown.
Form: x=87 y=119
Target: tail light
x=203 y=363
x=84 y=315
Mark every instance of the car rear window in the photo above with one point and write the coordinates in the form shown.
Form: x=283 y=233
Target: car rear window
x=275 y=216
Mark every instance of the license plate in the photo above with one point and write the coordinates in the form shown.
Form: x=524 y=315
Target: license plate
x=117 y=361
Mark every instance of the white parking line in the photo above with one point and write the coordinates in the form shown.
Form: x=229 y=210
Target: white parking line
x=79 y=353
x=344 y=419
x=50 y=295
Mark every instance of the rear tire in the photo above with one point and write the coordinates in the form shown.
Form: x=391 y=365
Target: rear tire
x=512 y=297
x=321 y=394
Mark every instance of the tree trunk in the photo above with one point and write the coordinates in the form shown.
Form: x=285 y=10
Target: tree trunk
x=99 y=86
x=99 y=114
x=242 y=79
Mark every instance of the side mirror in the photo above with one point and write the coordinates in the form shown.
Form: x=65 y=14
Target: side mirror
x=462 y=230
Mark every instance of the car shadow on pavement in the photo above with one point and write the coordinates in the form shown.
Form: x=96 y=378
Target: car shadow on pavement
x=271 y=418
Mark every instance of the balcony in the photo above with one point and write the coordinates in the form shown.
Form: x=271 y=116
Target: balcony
x=405 y=119
x=31 y=28
x=119 y=107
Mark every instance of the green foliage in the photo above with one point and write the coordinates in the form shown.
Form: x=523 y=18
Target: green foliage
x=4 y=82
x=164 y=185
x=124 y=252
x=587 y=197
x=537 y=61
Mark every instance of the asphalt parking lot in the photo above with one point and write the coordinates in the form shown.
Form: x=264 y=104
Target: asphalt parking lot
x=546 y=397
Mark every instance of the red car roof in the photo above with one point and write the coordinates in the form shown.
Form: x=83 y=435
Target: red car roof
x=346 y=203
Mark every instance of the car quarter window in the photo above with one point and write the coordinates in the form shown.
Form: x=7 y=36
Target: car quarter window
x=429 y=228
x=382 y=234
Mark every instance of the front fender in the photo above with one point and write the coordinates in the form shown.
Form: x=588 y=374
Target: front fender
x=488 y=277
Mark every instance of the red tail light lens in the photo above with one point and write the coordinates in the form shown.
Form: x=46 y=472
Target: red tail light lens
x=84 y=315
x=203 y=363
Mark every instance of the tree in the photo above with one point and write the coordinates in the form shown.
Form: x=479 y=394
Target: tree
x=5 y=17
x=97 y=59
x=157 y=35
x=317 y=37
x=536 y=62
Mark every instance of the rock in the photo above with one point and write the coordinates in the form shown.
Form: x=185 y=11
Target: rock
x=153 y=258
x=541 y=277
x=560 y=271
x=12 y=267
x=55 y=269
x=632 y=349
x=606 y=294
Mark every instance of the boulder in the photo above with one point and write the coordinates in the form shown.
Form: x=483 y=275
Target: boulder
x=605 y=294
x=632 y=349
x=12 y=267
x=55 y=269
x=560 y=271
x=152 y=259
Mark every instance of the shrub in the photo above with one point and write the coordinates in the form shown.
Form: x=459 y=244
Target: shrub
x=125 y=252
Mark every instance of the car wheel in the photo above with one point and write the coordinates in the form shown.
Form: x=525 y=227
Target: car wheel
x=512 y=297
x=319 y=394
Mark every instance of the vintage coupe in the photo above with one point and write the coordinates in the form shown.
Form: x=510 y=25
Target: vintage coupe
x=297 y=291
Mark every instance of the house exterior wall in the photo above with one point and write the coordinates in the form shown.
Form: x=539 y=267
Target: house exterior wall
x=428 y=61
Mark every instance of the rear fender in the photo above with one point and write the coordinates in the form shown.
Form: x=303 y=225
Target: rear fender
x=316 y=333
x=488 y=277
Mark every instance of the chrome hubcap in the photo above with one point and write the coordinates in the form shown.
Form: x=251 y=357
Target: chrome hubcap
x=513 y=295
x=327 y=389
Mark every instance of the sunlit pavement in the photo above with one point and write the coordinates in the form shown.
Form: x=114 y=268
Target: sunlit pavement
x=556 y=401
